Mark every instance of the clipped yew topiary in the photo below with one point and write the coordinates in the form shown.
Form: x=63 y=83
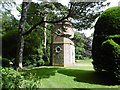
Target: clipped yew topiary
x=106 y=42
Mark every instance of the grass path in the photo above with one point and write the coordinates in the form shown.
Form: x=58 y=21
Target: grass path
x=81 y=76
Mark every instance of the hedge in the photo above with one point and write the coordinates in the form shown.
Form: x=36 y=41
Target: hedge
x=106 y=41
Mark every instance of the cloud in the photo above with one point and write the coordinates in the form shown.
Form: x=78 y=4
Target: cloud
x=113 y=2
x=64 y=2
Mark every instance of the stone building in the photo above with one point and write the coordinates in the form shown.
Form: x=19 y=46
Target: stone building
x=63 y=49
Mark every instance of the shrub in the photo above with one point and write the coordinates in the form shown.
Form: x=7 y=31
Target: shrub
x=5 y=62
x=10 y=78
x=107 y=24
x=112 y=52
x=13 y=79
x=106 y=41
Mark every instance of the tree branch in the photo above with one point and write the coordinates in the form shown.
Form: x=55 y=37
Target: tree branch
x=32 y=28
x=39 y=23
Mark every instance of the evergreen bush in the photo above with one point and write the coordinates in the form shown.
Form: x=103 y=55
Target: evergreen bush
x=106 y=42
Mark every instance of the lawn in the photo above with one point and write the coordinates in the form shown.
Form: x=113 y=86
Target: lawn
x=71 y=77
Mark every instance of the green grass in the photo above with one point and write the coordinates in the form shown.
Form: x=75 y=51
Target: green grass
x=88 y=61
x=71 y=77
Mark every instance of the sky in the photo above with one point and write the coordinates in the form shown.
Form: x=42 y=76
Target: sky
x=65 y=2
x=113 y=3
x=87 y=32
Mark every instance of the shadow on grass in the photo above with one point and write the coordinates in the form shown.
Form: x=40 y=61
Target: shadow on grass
x=87 y=76
x=41 y=73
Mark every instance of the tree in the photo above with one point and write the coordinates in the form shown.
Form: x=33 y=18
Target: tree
x=32 y=50
x=25 y=6
x=79 y=45
x=83 y=45
x=5 y=13
x=76 y=12
x=20 y=48
x=85 y=13
x=88 y=47
x=43 y=11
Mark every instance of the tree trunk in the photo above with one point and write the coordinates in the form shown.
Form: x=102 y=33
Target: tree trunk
x=44 y=41
x=20 y=51
x=44 y=37
x=20 y=48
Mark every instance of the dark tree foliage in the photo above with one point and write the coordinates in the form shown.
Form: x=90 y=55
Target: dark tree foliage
x=88 y=47
x=82 y=46
x=79 y=45
x=53 y=11
x=106 y=42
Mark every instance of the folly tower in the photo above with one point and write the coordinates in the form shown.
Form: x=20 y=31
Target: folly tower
x=63 y=49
